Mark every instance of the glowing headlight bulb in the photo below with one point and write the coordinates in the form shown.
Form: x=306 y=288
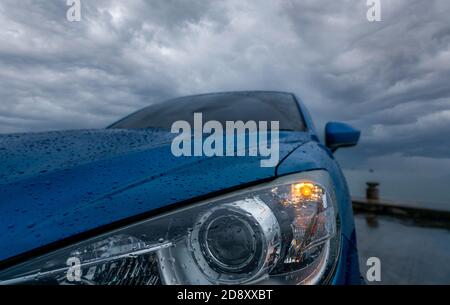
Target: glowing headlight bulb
x=303 y=190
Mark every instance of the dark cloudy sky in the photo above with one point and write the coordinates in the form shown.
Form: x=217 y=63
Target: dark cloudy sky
x=391 y=78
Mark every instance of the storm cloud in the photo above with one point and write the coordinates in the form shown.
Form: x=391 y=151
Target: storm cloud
x=391 y=78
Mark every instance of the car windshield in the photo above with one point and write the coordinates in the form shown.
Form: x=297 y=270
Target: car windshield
x=222 y=107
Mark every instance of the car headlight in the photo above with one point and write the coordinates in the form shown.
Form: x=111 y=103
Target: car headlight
x=282 y=232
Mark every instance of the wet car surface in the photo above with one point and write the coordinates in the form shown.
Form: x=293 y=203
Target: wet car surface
x=123 y=208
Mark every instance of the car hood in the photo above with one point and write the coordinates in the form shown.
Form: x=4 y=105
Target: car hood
x=56 y=185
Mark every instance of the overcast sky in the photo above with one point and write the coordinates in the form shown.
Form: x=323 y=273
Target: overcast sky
x=391 y=78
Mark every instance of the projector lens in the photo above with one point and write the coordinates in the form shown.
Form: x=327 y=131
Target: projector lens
x=230 y=243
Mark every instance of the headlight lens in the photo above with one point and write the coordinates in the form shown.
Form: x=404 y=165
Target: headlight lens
x=282 y=232
x=230 y=243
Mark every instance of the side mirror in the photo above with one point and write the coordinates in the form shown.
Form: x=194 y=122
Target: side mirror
x=340 y=135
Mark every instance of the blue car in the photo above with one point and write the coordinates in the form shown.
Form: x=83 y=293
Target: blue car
x=117 y=206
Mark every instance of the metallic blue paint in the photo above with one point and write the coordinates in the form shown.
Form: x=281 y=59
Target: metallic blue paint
x=340 y=135
x=56 y=185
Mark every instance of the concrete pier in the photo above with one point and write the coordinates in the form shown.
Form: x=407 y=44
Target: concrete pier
x=412 y=240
